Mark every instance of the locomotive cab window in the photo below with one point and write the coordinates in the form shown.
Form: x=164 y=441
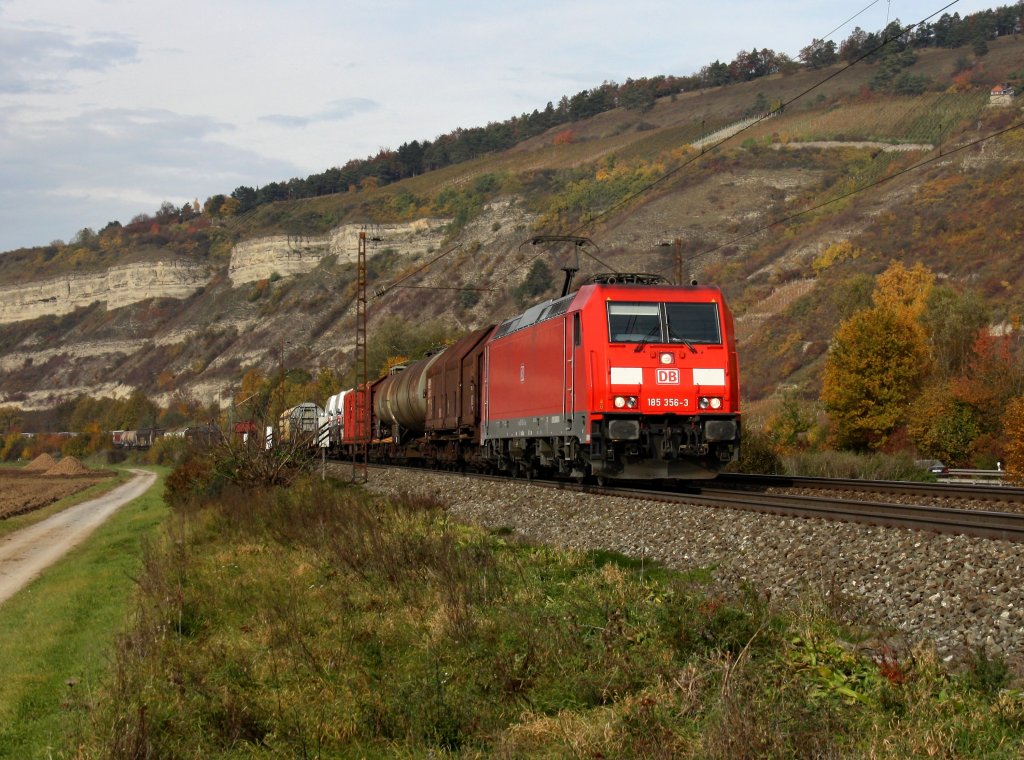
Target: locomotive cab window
x=693 y=323
x=634 y=322
x=664 y=323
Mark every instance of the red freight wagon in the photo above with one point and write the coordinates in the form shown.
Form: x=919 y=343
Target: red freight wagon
x=360 y=422
x=623 y=380
x=453 y=388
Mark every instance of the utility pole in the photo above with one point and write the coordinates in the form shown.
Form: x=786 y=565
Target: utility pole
x=361 y=423
x=677 y=246
x=678 y=243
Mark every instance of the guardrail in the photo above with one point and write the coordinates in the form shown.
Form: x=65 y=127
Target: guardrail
x=973 y=476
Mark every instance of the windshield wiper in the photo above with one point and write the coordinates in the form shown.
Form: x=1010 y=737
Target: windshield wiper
x=647 y=337
x=679 y=339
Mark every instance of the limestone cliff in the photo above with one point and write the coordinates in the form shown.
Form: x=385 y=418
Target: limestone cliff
x=183 y=328
x=118 y=286
x=286 y=255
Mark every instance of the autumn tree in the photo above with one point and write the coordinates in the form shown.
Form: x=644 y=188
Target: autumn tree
x=250 y=401
x=10 y=418
x=944 y=427
x=953 y=321
x=326 y=383
x=875 y=367
x=395 y=336
x=230 y=207
x=904 y=290
x=819 y=53
x=991 y=377
x=790 y=423
x=1013 y=426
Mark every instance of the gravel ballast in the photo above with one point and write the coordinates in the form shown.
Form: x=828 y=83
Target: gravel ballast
x=960 y=593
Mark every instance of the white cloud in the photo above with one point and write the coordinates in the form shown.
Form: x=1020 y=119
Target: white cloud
x=108 y=105
x=41 y=61
x=338 y=110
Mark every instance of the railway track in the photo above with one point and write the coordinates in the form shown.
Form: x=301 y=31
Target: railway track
x=741 y=492
x=936 y=490
x=1006 y=526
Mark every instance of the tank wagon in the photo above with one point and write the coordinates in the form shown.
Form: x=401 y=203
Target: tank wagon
x=628 y=377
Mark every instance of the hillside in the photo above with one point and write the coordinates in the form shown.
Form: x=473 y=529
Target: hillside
x=190 y=306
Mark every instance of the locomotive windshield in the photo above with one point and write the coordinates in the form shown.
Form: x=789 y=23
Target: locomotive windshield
x=663 y=323
x=693 y=322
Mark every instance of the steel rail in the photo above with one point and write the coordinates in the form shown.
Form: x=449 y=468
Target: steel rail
x=945 y=490
x=1006 y=526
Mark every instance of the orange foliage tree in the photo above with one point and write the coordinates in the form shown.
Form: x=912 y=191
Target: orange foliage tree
x=903 y=289
x=875 y=367
x=565 y=137
x=1013 y=425
x=879 y=360
x=989 y=379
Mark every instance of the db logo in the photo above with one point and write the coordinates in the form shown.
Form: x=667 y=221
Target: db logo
x=667 y=377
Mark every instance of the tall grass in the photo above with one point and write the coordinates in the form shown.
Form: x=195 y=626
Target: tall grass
x=317 y=621
x=848 y=464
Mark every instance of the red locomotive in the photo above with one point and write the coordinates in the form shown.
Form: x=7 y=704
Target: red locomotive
x=628 y=377
x=622 y=379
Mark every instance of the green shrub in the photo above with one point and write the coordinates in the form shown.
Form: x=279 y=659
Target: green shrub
x=757 y=456
x=168 y=451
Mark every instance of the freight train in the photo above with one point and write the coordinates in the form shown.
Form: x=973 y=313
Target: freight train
x=628 y=377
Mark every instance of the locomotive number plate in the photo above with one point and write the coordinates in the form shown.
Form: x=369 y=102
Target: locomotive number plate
x=667 y=403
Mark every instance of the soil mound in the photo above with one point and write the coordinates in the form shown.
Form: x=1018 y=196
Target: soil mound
x=68 y=466
x=41 y=463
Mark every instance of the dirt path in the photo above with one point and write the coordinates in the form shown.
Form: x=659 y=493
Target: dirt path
x=26 y=553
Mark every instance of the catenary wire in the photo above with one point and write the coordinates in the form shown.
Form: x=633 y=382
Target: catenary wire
x=672 y=172
x=855 y=191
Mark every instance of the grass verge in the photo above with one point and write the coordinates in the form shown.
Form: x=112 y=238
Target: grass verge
x=56 y=635
x=319 y=621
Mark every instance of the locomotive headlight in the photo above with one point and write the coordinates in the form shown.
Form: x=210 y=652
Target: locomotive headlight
x=666 y=358
x=631 y=402
x=716 y=403
x=620 y=402
x=704 y=403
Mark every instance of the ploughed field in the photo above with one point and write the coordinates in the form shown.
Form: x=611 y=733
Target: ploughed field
x=22 y=491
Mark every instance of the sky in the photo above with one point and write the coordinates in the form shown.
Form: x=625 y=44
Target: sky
x=109 y=108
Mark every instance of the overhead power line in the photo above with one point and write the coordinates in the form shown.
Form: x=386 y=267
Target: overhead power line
x=882 y=180
x=672 y=172
x=862 y=10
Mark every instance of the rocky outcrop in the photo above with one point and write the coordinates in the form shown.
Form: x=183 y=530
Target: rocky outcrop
x=282 y=255
x=118 y=286
x=252 y=260
x=203 y=346
x=285 y=255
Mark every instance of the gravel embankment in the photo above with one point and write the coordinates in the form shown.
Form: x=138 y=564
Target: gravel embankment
x=959 y=592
